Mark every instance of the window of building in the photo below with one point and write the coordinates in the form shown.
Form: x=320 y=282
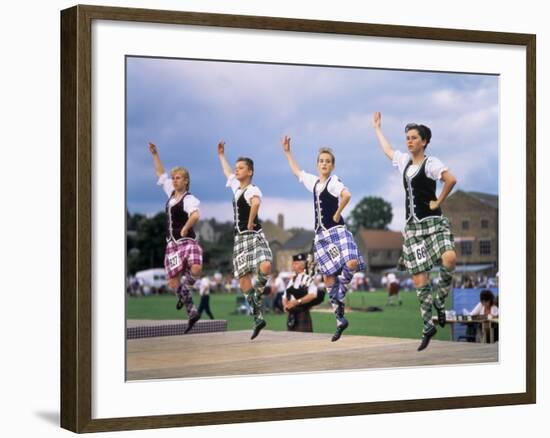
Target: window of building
x=465 y=224
x=374 y=253
x=388 y=254
x=484 y=247
x=466 y=247
x=485 y=223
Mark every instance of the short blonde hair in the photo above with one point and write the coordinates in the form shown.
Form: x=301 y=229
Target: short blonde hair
x=185 y=174
x=327 y=150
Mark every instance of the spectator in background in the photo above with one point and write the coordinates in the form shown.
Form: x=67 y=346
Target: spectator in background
x=218 y=282
x=301 y=294
x=393 y=287
x=267 y=296
x=204 y=291
x=234 y=284
x=488 y=308
x=486 y=305
x=278 y=287
x=384 y=280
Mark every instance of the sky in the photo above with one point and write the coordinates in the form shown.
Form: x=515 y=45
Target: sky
x=186 y=107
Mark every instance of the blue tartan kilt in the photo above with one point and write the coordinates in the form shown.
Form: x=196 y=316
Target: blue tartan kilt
x=335 y=247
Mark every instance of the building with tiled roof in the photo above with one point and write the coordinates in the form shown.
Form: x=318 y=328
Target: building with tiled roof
x=381 y=249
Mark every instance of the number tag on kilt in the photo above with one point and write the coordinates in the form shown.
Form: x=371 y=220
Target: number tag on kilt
x=174 y=260
x=420 y=253
x=241 y=261
x=333 y=252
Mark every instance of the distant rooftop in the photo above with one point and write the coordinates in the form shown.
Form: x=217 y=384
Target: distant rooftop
x=300 y=239
x=273 y=232
x=486 y=198
x=381 y=239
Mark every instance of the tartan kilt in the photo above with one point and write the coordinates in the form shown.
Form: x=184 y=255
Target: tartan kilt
x=250 y=249
x=302 y=322
x=424 y=243
x=180 y=256
x=335 y=247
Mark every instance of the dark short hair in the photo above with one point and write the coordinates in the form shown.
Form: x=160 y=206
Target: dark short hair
x=248 y=161
x=424 y=132
x=487 y=295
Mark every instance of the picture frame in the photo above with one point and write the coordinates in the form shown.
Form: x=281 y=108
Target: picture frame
x=77 y=173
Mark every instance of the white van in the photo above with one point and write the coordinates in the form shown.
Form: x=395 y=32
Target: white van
x=152 y=280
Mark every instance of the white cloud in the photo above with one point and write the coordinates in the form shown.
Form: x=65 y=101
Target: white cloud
x=317 y=107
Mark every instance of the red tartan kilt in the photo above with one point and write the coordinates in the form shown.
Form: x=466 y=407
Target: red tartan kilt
x=180 y=256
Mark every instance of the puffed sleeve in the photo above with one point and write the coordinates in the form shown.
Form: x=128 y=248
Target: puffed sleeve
x=308 y=180
x=166 y=183
x=191 y=204
x=434 y=168
x=251 y=192
x=400 y=160
x=233 y=183
x=335 y=186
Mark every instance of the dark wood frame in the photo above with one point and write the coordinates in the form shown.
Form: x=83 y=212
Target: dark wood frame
x=76 y=222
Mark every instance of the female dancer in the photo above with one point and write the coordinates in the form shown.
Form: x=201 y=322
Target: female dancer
x=183 y=256
x=428 y=238
x=335 y=250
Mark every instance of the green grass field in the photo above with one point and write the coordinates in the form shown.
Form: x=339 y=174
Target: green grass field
x=394 y=321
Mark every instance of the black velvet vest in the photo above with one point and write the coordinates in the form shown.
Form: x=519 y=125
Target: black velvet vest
x=241 y=212
x=420 y=190
x=325 y=205
x=176 y=218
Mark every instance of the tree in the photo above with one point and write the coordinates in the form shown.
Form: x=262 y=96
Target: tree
x=371 y=212
x=146 y=245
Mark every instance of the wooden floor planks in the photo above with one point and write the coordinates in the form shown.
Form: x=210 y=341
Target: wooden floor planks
x=232 y=353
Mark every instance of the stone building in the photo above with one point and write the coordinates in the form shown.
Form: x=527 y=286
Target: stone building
x=474 y=222
x=277 y=237
x=301 y=241
x=381 y=249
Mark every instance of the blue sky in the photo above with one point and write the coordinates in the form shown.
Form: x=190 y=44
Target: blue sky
x=186 y=106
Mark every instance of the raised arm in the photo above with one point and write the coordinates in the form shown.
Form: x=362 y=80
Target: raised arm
x=345 y=197
x=159 y=168
x=223 y=161
x=291 y=161
x=384 y=143
x=449 y=181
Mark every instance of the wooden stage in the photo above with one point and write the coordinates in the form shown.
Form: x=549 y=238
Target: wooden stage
x=233 y=353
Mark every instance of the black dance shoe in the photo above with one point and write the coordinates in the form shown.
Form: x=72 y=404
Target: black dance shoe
x=258 y=328
x=191 y=323
x=426 y=338
x=340 y=329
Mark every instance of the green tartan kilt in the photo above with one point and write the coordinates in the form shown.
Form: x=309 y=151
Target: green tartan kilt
x=250 y=249
x=424 y=243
